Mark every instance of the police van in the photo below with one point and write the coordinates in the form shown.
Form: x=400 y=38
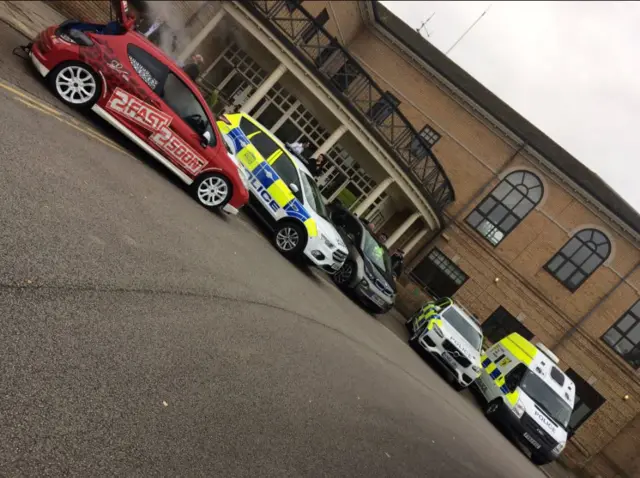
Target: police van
x=283 y=193
x=527 y=395
x=452 y=336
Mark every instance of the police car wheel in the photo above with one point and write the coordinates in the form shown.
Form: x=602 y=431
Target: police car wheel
x=289 y=238
x=76 y=84
x=212 y=191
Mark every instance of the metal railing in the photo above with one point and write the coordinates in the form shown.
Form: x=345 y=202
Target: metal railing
x=350 y=82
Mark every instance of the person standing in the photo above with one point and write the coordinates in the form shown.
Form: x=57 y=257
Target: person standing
x=299 y=147
x=397 y=263
x=314 y=165
x=193 y=68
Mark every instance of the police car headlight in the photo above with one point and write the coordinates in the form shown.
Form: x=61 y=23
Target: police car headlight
x=558 y=448
x=519 y=409
x=438 y=331
x=476 y=369
x=327 y=242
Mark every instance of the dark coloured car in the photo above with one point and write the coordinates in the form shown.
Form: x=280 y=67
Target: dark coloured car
x=367 y=271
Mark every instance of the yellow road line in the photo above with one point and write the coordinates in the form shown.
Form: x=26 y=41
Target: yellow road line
x=33 y=102
x=79 y=128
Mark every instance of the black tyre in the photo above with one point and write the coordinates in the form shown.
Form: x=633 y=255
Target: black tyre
x=540 y=460
x=76 y=84
x=290 y=238
x=212 y=190
x=344 y=276
x=492 y=409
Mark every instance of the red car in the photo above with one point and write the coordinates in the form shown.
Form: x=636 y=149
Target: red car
x=134 y=86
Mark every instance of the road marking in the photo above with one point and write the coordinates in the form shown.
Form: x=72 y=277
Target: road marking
x=84 y=130
x=33 y=102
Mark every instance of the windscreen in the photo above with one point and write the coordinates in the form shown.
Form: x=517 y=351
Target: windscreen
x=546 y=398
x=313 y=195
x=464 y=328
x=377 y=254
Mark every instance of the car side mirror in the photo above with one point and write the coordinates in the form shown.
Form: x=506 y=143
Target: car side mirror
x=206 y=139
x=294 y=188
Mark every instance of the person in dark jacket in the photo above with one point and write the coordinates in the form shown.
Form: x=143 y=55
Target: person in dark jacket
x=193 y=68
x=397 y=263
x=314 y=165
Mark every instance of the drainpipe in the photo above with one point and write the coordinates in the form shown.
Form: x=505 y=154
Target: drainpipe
x=477 y=194
x=567 y=335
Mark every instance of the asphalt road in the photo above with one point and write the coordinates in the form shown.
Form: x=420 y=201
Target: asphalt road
x=142 y=335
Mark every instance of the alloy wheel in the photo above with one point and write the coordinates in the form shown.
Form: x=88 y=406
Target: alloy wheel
x=213 y=191
x=75 y=84
x=287 y=239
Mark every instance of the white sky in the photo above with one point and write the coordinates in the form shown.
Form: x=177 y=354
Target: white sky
x=571 y=68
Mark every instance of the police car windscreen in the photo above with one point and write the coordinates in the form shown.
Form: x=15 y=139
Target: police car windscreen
x=313 y=195
x=377 y=254
x=464 y=328
x=543 y=395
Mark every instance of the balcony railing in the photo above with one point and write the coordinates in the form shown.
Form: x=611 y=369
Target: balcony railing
x=350 y=82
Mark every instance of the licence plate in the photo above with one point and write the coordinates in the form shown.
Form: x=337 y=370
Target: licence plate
x=531 y=440
x=377 y=300
x=449 y=359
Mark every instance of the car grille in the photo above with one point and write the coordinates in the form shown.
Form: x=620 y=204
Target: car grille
x=383 y=287
x=339 y=256
x=456 y=354
x=536 y=431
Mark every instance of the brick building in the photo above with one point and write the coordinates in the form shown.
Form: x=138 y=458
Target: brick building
x=489 y=209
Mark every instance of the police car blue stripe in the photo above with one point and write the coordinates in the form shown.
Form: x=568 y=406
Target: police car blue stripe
x=486 y=363
x=297 y=210
x=265 y=174
x=239 y=139
x=495 y=374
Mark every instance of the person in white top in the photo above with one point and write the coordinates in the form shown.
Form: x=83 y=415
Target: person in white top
x=298 y=148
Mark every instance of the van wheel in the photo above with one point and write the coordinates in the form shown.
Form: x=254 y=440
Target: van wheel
x=212 y=190
x=290 y=238
x=76 y=84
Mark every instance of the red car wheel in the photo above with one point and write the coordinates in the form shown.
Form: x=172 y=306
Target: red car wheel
x=212 y=190
x=76 y=84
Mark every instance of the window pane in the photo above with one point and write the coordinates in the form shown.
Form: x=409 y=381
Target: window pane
x=624 y=346
x=501 y=190
x=487 y=205
x=626 y=323
x=485 y=228
x=571 y=247
x=495 y=237
x=585 y=235
x=515 y=178
x=530 y=181
x=636 y=309
x=508 y=223
x=565 y=271
x=581 y=255
x=286 y=170
x=612 y=336
x=578 y=414
x=634 y=334
x=591 y=264
x=181 y=99
x=474 y=219
x=265 y=145
x=575 y=280
x=603 y=250
x=535 y=194
x=498 y=214
x=556 y=262
x=512 y=199
x=523 y=208
x=247 y=127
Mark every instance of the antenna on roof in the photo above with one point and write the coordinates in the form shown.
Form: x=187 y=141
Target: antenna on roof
x=468 y=30
x=424 y=24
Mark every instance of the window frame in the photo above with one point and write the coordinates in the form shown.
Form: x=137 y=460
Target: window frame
x=567 y=259
x=624 y=334
x=444 y=260
x=510 y=210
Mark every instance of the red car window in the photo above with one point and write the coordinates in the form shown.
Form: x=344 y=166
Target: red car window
x=185 y=104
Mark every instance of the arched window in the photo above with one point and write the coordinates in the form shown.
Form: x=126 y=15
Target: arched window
x=508 y=204
x=579 y=258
